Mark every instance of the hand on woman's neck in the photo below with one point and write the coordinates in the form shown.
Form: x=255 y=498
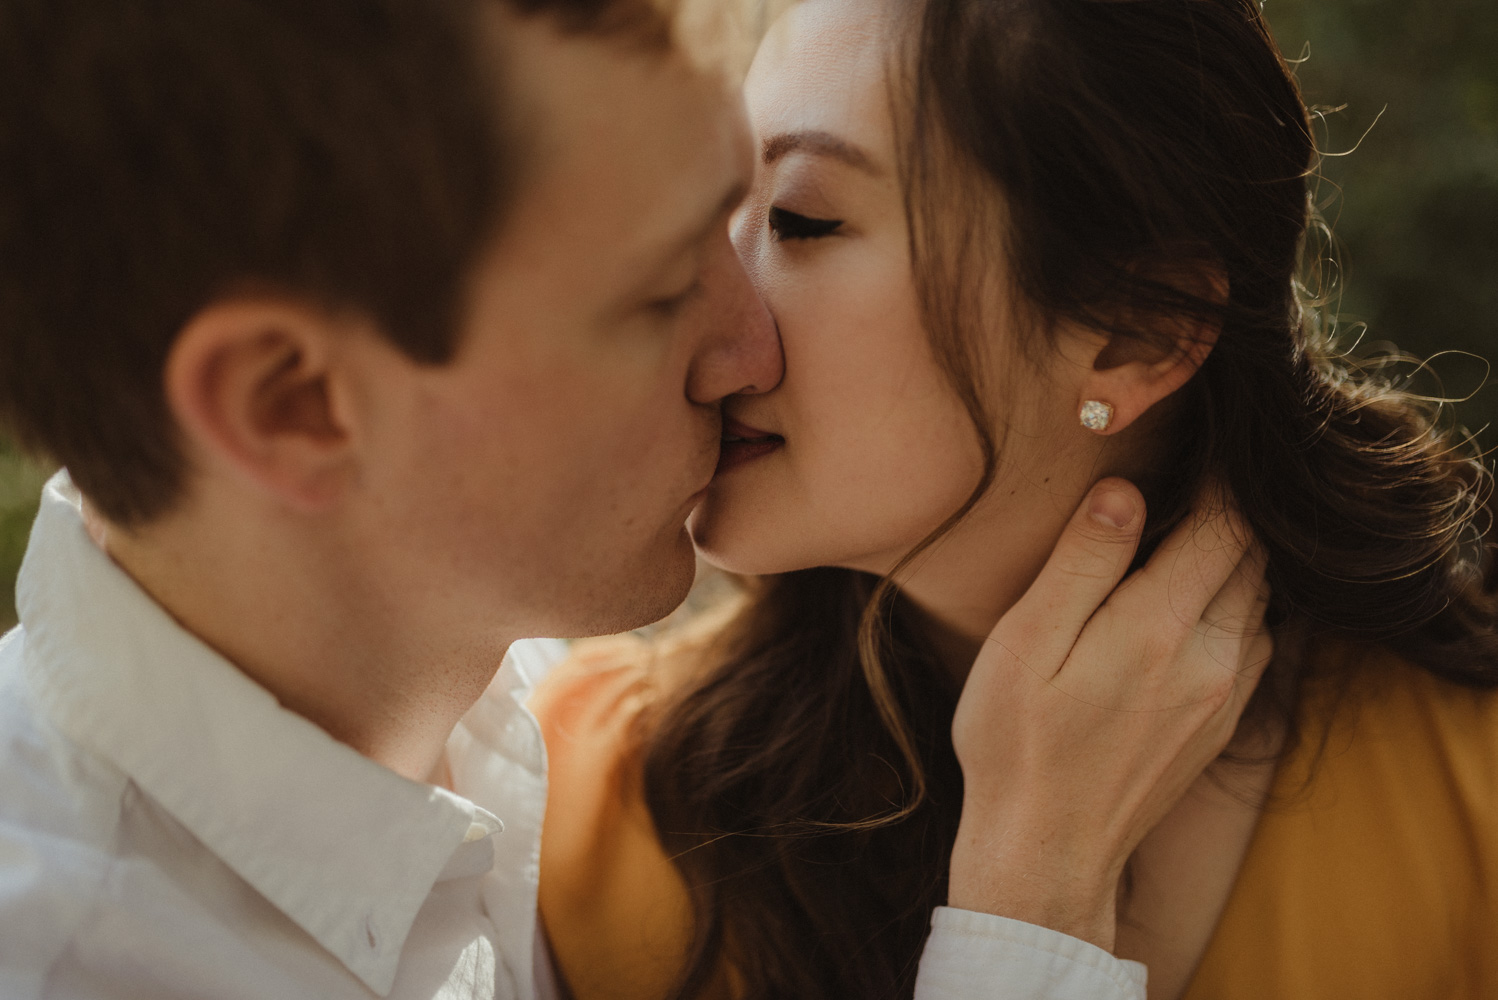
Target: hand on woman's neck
x=973 y=575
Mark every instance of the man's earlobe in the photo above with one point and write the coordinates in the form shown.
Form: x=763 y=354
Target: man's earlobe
x=254 y=388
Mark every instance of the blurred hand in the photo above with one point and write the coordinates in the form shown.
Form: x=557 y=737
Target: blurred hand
x=1094 y=705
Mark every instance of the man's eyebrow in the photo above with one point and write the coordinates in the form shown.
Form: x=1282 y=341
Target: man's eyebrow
x=822 y=144
x=671 y=250
x=731 y=199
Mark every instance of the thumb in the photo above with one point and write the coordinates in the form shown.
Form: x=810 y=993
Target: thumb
x=1089 y=560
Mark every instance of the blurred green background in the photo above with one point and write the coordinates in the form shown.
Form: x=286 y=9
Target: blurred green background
x=20 y=484
x=1414 y=208
x=1414 y=202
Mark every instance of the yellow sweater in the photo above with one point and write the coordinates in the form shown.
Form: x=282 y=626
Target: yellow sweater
x=1372 y=874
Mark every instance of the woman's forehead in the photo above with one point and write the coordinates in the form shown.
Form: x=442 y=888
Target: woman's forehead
x=824 y=69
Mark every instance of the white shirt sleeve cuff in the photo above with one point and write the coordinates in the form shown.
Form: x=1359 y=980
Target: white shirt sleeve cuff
x=980 y=956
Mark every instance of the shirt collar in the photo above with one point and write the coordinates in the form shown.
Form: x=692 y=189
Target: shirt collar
x=346 y=848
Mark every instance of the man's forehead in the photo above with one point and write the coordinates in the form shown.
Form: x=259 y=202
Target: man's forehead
x=625 y=148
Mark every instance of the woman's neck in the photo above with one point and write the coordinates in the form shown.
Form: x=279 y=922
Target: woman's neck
x=971 y=577
x=955 y=647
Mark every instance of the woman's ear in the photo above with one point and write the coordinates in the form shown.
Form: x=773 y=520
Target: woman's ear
x=1128 y=375
x=256 y=390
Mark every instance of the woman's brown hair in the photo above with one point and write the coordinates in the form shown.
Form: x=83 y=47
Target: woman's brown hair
x=806 y=782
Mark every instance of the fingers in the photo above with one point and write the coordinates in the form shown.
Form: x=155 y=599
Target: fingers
x=1257 y=646
x=1237 y=609
x=1197 y=559
x=1257 y=654
x=1088 y=561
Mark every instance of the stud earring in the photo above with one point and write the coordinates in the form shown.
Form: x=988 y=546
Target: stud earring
x=1096 y=415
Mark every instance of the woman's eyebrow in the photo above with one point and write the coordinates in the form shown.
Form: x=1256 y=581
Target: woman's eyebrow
x=822 y=144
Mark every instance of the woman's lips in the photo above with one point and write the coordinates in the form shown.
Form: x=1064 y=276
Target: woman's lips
x=742 y=443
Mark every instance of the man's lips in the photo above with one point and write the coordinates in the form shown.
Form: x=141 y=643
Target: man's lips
x=743 y=443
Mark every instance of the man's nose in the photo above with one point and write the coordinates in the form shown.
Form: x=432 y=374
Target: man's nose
x=739 y=351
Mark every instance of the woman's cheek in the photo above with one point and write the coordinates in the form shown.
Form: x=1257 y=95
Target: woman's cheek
x=880 y=414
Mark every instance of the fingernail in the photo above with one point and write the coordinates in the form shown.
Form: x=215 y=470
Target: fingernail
x=1113 y=509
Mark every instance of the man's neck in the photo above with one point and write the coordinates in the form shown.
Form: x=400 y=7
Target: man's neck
x=303 y=618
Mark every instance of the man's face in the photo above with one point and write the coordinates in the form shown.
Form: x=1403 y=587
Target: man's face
x=544 y=476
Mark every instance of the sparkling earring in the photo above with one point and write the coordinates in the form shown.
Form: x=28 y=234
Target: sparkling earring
x=1096 y=415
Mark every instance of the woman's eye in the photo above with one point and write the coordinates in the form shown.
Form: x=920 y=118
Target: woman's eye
x=794 y=226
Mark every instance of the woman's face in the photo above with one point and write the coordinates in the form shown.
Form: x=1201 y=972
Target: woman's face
x=875 y=450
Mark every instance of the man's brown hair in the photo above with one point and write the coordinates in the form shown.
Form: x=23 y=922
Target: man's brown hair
x=158 y=154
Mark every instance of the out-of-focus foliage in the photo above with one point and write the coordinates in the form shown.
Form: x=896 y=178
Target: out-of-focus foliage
x=1414 y=201
x=1414 y=207
x=20 y=488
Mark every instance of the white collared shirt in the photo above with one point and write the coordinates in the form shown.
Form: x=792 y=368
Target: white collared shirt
x=167 y=830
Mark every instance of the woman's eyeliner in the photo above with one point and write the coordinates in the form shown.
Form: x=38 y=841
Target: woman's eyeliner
x=787 y=225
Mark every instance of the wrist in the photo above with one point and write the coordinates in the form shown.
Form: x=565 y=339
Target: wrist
x=1046 y=885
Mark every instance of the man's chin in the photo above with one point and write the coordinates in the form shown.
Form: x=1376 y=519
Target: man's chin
x=657 y=588
x=667 y=597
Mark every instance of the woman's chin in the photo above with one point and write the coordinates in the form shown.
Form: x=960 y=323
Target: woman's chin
x=730 y=545
x=745 y=538
x=722 y=554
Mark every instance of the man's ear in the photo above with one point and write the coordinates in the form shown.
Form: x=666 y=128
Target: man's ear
x=1132 y=374
x=255 y=387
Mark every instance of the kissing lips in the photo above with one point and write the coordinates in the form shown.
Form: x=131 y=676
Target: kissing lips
x=742 y=443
